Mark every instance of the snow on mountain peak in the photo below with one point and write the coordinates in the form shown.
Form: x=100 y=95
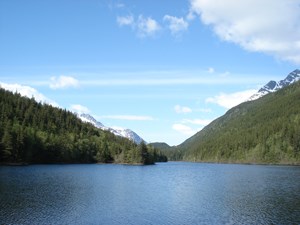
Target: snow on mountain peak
x=273 y=86
x=291 y=78
x=89 y=119
x=127 y=133
x=130 y=135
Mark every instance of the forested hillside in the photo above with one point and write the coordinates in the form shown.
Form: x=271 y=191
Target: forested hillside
x=32 y=132
x=266 y=130
x=171 y=153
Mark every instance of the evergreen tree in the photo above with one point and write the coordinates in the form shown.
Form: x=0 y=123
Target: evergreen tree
x=7 y=144
x=39 y=133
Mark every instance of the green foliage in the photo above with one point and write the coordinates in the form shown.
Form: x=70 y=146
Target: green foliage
x=172 y=153
x=266 y=130
x=157 y=154
x=38 y=133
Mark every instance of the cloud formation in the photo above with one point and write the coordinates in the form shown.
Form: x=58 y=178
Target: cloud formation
x=269 y=26
x=80 y=108
x=230 y=100
x=187 y=130
x=63 y=82
x=128 y=117
x=176 y=25
x=147 y=26
x=182 y=109
x=125 y=20
x=28 y=92
x=202 y=122
x=144 y=26
x=163 y=78
x=183 y=129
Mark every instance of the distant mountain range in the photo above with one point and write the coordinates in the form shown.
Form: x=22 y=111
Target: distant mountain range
x=273 y=86
x=127 y=133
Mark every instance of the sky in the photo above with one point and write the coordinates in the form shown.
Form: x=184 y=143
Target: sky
x=164 y=69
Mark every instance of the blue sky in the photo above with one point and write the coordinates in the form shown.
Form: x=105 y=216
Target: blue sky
x=164 y=69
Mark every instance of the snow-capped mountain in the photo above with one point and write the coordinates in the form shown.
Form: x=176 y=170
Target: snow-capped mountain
x=127 y=133
x=89 y=119
x=273 y=86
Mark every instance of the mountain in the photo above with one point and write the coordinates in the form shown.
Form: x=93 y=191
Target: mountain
x=265 y=130
x=89 y=119
x=32 y=132
x=131 y=135
x=127 y=133
x=273 y=86
x=171 y=153
x=161 y=145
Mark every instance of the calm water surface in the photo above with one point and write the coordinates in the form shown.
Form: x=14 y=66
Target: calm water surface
x=167 y=193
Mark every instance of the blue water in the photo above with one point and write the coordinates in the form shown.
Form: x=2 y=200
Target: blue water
x=166 y=193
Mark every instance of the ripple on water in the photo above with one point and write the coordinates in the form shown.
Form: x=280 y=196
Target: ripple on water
x=170 y=193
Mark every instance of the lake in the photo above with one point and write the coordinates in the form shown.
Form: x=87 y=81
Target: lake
x=165 y=193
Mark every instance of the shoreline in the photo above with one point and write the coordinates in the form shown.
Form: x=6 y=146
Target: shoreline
x=15 y=164
x=242 y=163
x=140 y=164
x=62 y=163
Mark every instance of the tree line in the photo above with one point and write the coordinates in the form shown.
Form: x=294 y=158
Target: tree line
x=32 y=132
x=266 y=130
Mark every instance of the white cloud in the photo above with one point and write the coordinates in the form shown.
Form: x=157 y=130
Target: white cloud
x=269 y=26
x=186 y=130
x=63 y=82
x=28 y=92
x=125 y=20
x=230 y=100
x=182 y=109
x=202 y=122
x=172 y=77
x=80 y=108
x=128 y=117
x=176 y=25
x=147 y=26
x=218 y=79
x=143 y=26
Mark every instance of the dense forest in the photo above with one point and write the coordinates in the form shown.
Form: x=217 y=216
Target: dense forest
x=32 y=132
x=266 y=130
x=172 y=153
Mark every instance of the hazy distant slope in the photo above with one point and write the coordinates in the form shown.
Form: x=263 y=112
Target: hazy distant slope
x=172 y=153
x=161 y=145
x=266 y=130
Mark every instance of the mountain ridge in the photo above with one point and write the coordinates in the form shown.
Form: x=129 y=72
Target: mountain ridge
x=273 y=86
x=34 y=132
x=265 y=130
x=127 y=133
